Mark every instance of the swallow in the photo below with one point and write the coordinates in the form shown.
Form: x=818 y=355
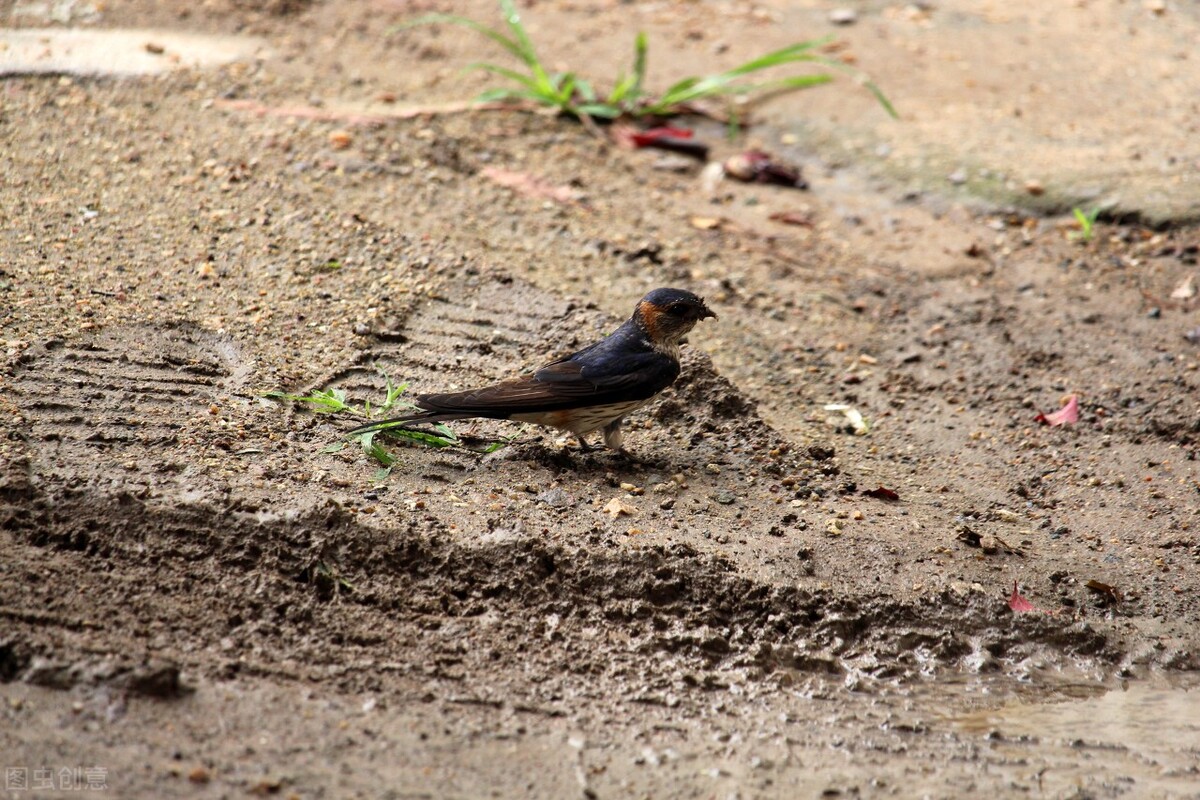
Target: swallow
x=593 y=389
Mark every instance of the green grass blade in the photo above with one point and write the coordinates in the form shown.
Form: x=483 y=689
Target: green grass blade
x=640 y=48
x=323 y=402
x=622 y=88
x=787 y=55
x=524 y=46
x=882 y=98
x=375 y=450
x=781 y=85
x=696 y=88
x=711 y=86
x=466 y=22
x=504 y=72
x=858 y=75
x=678 y=88
x=601 y=110
x=586 y=92
x=420 y=437
x=564 y=88
x=496 y=95
x=393 y=394
x=445 y=431
x=628 y=88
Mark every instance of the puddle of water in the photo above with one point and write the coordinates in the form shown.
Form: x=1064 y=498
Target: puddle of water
x=1143 y=736
x=96 y=52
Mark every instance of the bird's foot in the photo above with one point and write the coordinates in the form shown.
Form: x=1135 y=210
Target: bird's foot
x=631 y=457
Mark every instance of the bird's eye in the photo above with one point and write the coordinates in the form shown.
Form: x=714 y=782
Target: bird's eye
x=677 y=309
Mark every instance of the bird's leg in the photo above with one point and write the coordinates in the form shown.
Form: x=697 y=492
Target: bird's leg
x=613 y=436
x=584 y=447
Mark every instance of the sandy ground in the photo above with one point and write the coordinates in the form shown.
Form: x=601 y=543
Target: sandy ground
x=199 y=599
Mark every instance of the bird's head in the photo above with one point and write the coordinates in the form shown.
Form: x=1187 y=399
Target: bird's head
x=667 y=315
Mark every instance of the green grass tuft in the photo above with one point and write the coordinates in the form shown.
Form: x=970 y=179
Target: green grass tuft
x=1087 y=224
x=334 y=401
x=576 y=97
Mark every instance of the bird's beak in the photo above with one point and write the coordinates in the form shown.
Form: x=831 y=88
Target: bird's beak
x=708 y=313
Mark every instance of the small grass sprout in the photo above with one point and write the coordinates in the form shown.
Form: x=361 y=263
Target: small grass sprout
x=334 y=401
x=574 y=96
x=1087 y=224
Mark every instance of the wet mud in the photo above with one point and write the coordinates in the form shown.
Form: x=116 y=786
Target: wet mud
x=201 y=595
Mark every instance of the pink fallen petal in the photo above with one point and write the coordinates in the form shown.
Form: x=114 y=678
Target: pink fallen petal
x=345 y=116
x=1067 y=415
x=532 y=186
x=356 y=116
x=1018 y=603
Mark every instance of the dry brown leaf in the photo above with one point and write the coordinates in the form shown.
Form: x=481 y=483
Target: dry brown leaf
x=616 y=507
x=1185 y=290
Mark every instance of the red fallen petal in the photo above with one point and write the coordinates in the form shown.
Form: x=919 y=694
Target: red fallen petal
x=646 y=137
x=631 y=137
x=1018 y=603
x=1067 y=415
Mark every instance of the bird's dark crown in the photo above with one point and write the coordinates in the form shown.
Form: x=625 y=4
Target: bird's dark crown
x=666 y=315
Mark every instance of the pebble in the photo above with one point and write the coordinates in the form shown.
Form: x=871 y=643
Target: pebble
x=843 y=16
x=555 y=498
x=673 y=164
x=958 y=177
x=725 y=497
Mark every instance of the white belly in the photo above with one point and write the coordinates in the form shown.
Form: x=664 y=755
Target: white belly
x=581 y=421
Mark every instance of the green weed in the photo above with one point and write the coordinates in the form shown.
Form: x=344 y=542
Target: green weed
x=1087 y=224
x=576 y=97
x=334 y=401
x=328 y=579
